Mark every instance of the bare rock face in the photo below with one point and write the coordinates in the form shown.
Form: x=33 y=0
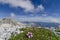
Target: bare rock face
x=8 y=20
x=8 y=26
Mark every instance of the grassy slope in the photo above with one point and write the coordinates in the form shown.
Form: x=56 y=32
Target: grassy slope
x=58 y=30
x=38 y=34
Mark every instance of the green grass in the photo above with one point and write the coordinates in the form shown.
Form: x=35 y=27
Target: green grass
x=59 y=38
x=57 y=30
x=38 y=34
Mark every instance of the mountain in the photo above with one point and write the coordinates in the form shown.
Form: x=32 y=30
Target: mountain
x=44 y=24
x=7 y=20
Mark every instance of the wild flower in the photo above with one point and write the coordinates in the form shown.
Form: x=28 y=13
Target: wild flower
x=29 y=34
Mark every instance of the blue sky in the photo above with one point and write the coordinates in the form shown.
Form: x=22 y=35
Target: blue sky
x=31 y=10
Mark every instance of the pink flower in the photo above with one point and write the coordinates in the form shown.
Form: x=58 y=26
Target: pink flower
x=29 y=35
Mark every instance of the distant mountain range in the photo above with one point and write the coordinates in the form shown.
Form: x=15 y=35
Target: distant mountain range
x=44 y=24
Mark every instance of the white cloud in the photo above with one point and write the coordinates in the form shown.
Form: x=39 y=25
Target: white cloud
x=12 y=15
x=40 y=19
x=44 y=14
x=40 y=7
x=25 y=4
